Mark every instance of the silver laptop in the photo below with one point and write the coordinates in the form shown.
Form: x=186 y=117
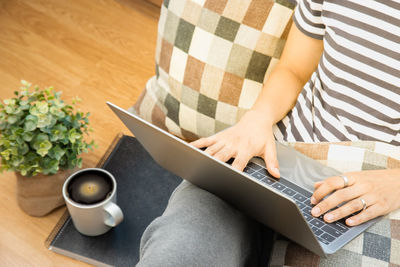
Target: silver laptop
x=283 y=205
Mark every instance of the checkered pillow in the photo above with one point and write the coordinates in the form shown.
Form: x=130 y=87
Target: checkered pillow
x=212 y=57
x=380 y=244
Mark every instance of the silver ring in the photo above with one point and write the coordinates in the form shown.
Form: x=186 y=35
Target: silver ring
x=364 y=203
x=345 y=180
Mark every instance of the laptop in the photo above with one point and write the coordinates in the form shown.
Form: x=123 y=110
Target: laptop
x=283 y=205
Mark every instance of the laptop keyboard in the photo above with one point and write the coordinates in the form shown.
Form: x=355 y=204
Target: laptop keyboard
x=326 y=233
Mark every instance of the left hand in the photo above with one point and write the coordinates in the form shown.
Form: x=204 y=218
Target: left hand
x=380 y=190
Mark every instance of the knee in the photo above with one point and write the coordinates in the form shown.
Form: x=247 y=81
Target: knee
x=197 y=229
x=166 y=246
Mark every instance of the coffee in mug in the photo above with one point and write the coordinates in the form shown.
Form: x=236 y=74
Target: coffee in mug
x=90 y=187
x=90 y=195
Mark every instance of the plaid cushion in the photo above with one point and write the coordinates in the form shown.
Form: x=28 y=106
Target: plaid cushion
x=380 y=244
x=212 y=57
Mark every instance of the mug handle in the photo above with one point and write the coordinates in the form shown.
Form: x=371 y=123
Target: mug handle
x=115 y=215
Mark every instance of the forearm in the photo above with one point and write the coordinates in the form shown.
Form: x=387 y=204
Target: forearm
x=279 y=94
x=299 y=60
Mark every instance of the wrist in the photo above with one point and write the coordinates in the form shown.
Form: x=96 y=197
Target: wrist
x=262 y=115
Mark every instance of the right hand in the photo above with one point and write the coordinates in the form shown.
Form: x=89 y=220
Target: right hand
x=251 y=136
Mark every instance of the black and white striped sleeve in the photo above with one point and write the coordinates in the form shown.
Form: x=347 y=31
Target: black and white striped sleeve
x=308 y=18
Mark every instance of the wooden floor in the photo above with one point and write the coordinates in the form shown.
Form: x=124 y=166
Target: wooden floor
x=99 y=50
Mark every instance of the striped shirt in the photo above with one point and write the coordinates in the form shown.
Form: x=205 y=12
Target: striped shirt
x=354 y=94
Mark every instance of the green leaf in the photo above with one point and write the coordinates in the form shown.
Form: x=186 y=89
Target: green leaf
x=48 y=91
x=68 y=119
x=50 y=166
x=23 y=102
x=43 y=120
x=25 y=107
x=17 y=131
x=31 y=157
x=27 y=136
x=26 y=84
x=63 y=161
x=31 y=118
x=53 y=121
x=5 y=154
x=45 y=144
x=58 y=132
x=61 y=114
x=56 y=152
x=32 y=98
x=19 y=139
x=73 y=136
x=38 y=140
x=24 y=92
x=42 y=147
x=42 y=151
x=10 y=110
x=14 y=151
x=29 y=126
x=54 y=110
x=12 y=119
x=42 y=107
x=41 y=137
x=57 y=95
x=10 y=102
x=23 y=149
x=34 y=110
x=80 y=160
x=17 y=160
x=24 y=172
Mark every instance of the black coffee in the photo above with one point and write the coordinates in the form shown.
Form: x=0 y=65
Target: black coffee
x=90 y=187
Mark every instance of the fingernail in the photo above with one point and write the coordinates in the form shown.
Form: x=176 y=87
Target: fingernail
x=313 y=200
x=350 y=221
x=329 y=217
x=276 y=170
x=316 y=211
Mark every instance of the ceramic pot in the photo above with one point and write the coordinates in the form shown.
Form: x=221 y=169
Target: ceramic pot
x=39 y=195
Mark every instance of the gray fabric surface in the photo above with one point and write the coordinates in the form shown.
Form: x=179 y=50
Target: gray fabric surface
x=197 y=229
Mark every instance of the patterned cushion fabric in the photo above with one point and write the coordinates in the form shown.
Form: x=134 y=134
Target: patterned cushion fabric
x=212 y=57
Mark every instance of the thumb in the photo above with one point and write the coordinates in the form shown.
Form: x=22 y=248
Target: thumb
x=271 y=160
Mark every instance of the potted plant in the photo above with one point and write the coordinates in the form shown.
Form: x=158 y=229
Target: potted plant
x=41 y=138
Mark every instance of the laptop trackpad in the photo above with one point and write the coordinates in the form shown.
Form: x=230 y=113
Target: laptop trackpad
x=299 y=168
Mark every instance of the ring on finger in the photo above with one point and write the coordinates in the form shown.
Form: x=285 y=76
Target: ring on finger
x=345 y=180
x=363 y=203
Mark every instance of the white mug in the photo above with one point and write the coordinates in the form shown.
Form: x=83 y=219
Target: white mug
x=94 y=219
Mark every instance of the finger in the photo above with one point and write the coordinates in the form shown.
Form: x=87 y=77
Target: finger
x=317 y=184
x=204 y=142
x=224 y=154
x=347 y=209
x=328 y=186
x=241 y=161
x=335 y=199
x=366 y=215
x=211 y=150
x=270 y=159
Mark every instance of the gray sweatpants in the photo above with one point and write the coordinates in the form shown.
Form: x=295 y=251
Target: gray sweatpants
x=199 y=229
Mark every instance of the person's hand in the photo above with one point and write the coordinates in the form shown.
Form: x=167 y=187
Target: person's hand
x=251 y=136
x=379 y=189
